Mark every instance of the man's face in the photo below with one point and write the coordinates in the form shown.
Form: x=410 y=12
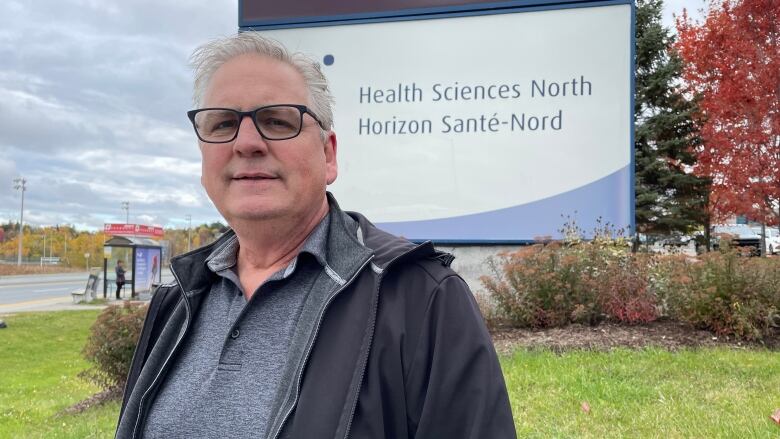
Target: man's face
x=252 y=178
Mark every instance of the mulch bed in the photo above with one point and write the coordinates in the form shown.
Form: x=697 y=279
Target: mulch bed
x=606 y=336
x=94 y=400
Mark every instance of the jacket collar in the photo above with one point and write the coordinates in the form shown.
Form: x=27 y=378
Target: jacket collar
x=351 y=239
x=385 y=246
x=190 y=269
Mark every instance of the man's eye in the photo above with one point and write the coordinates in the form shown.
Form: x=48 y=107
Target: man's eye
x=224 y=125
x=276 y=123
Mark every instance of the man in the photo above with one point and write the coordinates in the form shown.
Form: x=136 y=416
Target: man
x=119 y=269
x=303 y=321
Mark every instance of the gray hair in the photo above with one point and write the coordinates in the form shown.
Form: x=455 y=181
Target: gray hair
x=208 y=58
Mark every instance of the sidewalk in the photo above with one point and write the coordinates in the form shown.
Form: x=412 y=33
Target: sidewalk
x=64 y=303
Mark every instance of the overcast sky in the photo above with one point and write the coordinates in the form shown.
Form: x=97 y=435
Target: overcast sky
x=93 y=95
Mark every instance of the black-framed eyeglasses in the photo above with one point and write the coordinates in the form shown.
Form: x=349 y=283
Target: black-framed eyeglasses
x=273 y=122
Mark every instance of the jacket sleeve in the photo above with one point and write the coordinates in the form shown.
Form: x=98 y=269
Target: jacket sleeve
x=159 y=307
x=455 y=387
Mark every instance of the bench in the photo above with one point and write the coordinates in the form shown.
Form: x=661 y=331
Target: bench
x=88 y=293
x=78 y=296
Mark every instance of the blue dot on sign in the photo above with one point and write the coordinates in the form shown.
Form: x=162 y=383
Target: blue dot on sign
x=328 y=60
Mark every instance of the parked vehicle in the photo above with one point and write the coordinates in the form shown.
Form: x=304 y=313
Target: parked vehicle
x=739 y=235
x=772 y=239
x=675 y=240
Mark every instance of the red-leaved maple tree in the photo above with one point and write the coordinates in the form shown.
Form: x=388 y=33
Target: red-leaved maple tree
x=733 y=65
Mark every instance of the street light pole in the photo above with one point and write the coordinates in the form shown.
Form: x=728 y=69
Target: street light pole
x=126 y=207
x=189 y=230
x=20 y=184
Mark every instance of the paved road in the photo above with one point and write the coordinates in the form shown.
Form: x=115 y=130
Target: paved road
x=17 y=289
x=34 y=291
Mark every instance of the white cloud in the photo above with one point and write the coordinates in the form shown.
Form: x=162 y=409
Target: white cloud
x=93 y=95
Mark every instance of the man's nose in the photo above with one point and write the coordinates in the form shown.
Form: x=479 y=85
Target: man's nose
x=248 y=140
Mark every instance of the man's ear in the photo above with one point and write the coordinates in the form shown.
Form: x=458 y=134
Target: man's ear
x=202 y=171
x=331 y=164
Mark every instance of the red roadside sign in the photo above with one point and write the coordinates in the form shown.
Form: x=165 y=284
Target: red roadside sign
x=133 y=230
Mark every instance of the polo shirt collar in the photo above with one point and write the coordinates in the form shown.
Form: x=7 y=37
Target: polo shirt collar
x=225 y=256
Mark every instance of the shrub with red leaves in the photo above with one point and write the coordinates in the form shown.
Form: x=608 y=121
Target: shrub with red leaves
x=111 y=344
x=725 y=293
x=624 y=290
x=554 y=284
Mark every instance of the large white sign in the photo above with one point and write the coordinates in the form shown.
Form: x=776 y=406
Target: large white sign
x=485 y=127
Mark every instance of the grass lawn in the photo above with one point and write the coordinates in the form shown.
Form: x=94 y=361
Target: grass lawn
x=706 y=393
x=40 y=356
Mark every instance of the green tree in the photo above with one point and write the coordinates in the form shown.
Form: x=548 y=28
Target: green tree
x=669 y=197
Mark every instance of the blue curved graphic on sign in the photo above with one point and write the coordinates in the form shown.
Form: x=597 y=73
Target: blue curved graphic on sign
x=541 y=218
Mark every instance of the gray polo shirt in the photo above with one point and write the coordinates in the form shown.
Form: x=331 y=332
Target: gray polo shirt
x=227 y=374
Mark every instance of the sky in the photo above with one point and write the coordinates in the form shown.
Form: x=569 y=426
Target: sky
x=93 y=96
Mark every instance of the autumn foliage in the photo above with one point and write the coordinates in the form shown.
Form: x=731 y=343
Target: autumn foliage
x=549 y=285
x=725 y=293
x=732 y=67
x=559 y=283
x=79 y=249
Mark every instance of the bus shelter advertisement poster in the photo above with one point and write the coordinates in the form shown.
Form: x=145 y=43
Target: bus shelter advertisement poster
x=147 y=269
x=480 y=128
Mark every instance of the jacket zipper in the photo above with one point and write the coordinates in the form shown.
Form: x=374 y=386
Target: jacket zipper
x=365 y=364
x=165 y=364
x=370 y=340
x=311 y=345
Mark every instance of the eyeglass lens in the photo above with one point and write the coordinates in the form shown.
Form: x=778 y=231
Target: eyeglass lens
x=274 y=123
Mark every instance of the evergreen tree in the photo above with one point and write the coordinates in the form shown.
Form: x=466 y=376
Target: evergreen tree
x=669 y=197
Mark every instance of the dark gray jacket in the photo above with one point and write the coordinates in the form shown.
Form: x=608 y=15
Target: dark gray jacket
x=396 y=346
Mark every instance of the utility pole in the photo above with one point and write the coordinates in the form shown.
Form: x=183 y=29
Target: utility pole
x=189 y=230
x=20 y=184
x=126 y=207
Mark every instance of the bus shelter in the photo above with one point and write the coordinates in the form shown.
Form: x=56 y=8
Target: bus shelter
x=142 y=258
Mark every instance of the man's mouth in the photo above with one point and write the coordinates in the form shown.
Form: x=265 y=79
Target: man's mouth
x=253 y=176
